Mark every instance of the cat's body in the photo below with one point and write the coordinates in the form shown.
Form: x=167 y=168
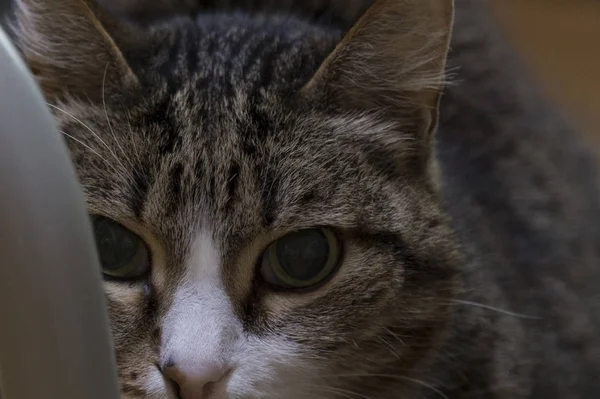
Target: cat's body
x=524 y=195
x=209 y=154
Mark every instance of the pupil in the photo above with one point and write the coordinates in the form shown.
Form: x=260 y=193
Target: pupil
x=115 y=246
x=304 y=254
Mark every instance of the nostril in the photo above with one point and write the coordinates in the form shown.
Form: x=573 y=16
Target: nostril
x=195 y=382
x=173 y=375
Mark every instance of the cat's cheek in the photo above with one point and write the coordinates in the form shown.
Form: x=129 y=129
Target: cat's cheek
x=124 y=302
x=156 y=387
x=135 y=352
x=270 y=365
x=144 y=381
x=125 y=295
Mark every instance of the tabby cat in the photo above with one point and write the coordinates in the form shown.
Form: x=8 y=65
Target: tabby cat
x=286 y=206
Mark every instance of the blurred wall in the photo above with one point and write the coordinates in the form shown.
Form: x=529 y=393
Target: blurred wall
x=560 y=42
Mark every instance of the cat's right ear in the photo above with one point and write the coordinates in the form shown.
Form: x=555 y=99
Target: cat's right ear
x=73 y=48
x=392 y=61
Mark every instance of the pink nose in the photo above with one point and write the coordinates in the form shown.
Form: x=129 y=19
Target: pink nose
x=197 y=383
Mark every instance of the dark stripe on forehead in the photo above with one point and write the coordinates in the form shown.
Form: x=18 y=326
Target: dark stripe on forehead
x=170 y=140
x=248 y=146
x=160 y=116
x=239 y=48
x=171 y=59
x=260 y=122
x=254 y=57
x=270 y=60
x=269 y=190
x=175 y=198
x=192 y=51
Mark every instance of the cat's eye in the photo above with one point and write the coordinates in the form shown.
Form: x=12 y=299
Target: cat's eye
x=301 y=259
x=123 y=254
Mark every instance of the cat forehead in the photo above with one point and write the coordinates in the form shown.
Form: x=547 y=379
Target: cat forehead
x=214 y=131
x=247 y=165
x=219 y=55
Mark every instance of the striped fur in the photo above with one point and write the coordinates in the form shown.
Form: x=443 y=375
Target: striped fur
x=471 y=257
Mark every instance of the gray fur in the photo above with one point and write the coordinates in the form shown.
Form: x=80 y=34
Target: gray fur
x=481 y=284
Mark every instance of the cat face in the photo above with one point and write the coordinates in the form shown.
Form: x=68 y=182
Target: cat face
x=267 y=222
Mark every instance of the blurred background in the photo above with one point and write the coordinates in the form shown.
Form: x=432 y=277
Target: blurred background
x=560 y=42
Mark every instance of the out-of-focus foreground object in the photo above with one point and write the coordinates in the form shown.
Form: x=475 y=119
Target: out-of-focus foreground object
x=54 y=334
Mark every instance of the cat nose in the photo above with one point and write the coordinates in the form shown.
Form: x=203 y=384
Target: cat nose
x=197 y=382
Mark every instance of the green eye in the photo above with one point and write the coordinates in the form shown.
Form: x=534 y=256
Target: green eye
x=301 y=259
x=123 y=255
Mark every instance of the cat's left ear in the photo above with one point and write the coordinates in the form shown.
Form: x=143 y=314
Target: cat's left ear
x=73 y=48
x=393 y=61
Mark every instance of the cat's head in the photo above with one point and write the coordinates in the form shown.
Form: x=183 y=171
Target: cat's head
x=265 y=204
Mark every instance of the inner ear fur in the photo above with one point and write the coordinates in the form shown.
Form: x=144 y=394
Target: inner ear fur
x=392 y=60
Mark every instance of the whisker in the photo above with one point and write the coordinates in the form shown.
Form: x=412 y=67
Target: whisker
x=399 y=377
x=136 y=152
x=264 y=177
x=85 y=145
x=112 y=131
x=344 y=392
x=495 y=309
x=425 y=385
x=389 y=346
x=85 y=126
x=396 y=336
x=328 y=390
x=131 y=136
x=129 y=173
x=97 y=136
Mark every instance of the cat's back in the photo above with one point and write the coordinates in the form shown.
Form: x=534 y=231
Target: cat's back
x=523 y=192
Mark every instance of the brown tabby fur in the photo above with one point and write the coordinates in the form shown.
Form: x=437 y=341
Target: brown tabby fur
x=471 y=265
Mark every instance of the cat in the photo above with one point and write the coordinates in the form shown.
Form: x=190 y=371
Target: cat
x=290 y=202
